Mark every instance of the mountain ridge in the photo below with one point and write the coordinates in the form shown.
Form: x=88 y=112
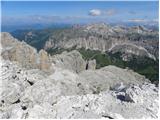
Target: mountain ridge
x=98 y=36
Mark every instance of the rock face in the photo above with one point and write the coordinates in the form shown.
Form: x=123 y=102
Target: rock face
x=128 y=49
x=70 y=60
x=45 y=64
x=14 y=50
x=91 y=65
x=128 y=40
x=73 y=61
x=26 y=55
x=66 y=94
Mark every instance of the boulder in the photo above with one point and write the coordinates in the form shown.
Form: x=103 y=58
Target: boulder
x=14 y=111
x=133 y=94
x=118 y=87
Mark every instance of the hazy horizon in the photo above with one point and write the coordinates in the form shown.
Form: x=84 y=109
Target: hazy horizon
x=26 y=13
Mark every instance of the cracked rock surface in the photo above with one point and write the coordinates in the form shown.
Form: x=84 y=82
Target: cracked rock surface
x=66 y=94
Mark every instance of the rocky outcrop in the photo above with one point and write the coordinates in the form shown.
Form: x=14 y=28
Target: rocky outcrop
x=91 y=64
x=73 y=61
x=134 y=93
x=128 y=49
x=44 y=61
x=34 y=94
x=14 y=50
x=24 y=54
x=102 y=79
x=70 y=60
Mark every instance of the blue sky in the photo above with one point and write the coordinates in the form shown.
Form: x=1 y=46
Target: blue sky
x=44 y=11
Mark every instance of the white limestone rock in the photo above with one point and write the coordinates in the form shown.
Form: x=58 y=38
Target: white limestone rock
x=66 y=94
x=70 y=60
x=133 y=94
x=24 y=54
x=102 y=79
x=91 y=65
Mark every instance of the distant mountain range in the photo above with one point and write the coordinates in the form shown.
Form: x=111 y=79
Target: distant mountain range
x=6 y=27
x=136 y=40
x=118 y=45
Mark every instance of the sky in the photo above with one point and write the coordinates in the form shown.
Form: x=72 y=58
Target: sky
x=52 y=11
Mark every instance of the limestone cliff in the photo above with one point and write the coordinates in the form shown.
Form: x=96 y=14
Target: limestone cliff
x=103 y=37
x=21 y=52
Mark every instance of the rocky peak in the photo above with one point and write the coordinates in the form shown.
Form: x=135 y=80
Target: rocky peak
x=98 y=28
x=27 y=56
x=70 y=60
x=7 y=39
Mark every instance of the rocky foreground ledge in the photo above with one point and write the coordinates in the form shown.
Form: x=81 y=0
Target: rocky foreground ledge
x=64 y=94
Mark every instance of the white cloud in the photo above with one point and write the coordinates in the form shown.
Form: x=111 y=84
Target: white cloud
x=95 y=12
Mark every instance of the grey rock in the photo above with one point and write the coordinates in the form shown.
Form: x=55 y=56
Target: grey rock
x=133 y=94
x=106 y=77
x=25 y=55
x=91 y=64
x=15 y=80
x=70 y=60
x=66 y=94
x=138 y=40
x=118 y=87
